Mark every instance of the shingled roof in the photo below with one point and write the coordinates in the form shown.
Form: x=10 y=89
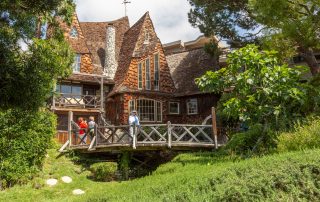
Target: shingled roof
x=77 y=44
x=188 y=65
x=127 y=50
x=96 y=35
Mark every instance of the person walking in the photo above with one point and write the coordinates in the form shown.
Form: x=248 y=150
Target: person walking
x=134 y=124
x=82 y=131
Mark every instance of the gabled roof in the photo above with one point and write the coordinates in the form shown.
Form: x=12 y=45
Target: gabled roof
x=77 y=44
x=96 y=35
x=188 y=65
x=127 y=51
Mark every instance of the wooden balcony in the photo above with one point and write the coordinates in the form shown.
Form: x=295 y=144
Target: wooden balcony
x=76 y=101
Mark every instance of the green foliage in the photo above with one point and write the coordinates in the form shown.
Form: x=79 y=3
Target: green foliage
x=224 y=19
x=261 y=89
x=257 y=140
x=124 y=165
x=24 y=138
x=290 y=27
x=30 y=74
x=104 y=171
x=306 y=136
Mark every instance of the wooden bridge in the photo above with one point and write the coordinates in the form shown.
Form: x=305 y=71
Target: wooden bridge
x=110 y=138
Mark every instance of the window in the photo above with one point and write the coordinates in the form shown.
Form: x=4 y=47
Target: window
x=148 y=110
x=73 y=32
x=140 y=75
x=156 y=72
x=69 y=89
x=174 y=107
x=148 y=82
x=192 y=106
x=77 y=63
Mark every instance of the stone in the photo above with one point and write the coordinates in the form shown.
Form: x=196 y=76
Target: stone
x=51 y=182
x=66 y=179
x=77 y=192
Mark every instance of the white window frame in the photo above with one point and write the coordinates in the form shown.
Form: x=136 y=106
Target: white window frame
x=133 y=106
x=72 y=33
x=140 y=74
x=157 y=88
x=76 y=67
x=170 y=108
x=147 y=75
x=195 y=100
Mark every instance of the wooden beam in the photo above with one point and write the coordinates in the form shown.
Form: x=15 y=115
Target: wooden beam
x=70 y=118
x=169 y=134
x=214 y=127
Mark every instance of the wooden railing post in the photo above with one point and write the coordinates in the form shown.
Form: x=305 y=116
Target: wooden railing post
x=70 y=118
x=134 y=138
x=169 y=127
x=214 y=127
x=96 y=133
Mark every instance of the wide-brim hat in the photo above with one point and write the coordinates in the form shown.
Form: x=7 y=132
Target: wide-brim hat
x=133 y=111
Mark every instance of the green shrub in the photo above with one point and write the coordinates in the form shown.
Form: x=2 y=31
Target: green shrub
x=24 y=138
x=104 y=171
x=304 y=136
x=256 y=139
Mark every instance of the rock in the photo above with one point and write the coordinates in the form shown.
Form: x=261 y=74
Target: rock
x=78 y=192
x=52 y=182
x=66 y=179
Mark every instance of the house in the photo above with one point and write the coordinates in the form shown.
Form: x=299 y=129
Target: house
x=187 y=61
x=119 y=68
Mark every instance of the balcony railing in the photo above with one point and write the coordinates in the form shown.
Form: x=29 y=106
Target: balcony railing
x=76 y=101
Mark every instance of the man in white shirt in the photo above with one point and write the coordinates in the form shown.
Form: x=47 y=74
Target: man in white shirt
x=133 y=119
x=134 y=123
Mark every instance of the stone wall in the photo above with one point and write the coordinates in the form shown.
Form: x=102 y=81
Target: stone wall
x=111 y=63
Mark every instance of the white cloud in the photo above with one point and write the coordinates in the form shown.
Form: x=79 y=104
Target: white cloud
x=169 y=16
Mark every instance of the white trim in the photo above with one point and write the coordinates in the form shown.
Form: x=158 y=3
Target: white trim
x=146 y=86
x=154 y=70
x=140 y=64
x=155 y=111
x=196 y=102
x=178 y=108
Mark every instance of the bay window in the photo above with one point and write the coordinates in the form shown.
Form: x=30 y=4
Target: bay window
x=148 y=110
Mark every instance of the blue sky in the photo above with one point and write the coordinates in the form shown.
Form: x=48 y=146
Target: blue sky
x=170 y=17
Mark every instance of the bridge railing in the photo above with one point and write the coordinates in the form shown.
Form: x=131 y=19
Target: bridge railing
x=154 y=134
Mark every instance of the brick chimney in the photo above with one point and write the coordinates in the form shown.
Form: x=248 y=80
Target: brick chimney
x=110 y=60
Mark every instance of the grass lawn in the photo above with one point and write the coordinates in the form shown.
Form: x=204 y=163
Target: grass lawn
x=189 y=177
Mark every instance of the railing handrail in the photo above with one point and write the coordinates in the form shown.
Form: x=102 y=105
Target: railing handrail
x=71 y=94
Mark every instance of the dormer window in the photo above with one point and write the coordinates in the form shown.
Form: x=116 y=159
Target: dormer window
x=73 y=33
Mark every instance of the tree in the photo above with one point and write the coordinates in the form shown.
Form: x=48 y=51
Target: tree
x=262 y=90
x=293 y=24
x=27 y=76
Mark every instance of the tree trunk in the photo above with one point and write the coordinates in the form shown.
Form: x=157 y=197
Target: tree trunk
x=309 y=57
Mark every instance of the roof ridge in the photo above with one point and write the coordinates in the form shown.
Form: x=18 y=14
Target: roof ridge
x=119 y=19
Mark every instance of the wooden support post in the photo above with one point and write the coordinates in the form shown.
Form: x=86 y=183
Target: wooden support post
x=214 y=127
x=53 y=107
x=169 y=127
x=102 y=96
x=134 y=138
x=70 y=118
x=125 y=165
x=96 y=133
